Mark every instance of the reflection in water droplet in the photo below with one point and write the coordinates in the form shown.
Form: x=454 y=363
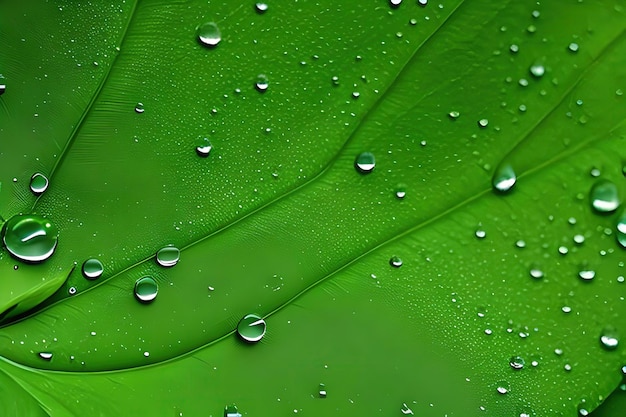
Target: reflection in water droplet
x=168 y=256
x=604 y=197
x=365 y=162
x=92 y=268
x=609 y=338
x=30 y=238
x=139 y=108
x=262 y=83
x=406 y=410
x=146 y=289
x=504 y=178
x=395 y=261
x=204 y=147
x=231 y=411
x=209 y=34
x=251 y=328
x=260 y=8
x=587 y=274
x=322 y=391
x=517 y=362
x=45 y=356
x=38 y=183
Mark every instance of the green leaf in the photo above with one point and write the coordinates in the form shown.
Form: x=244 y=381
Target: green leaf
x=397 y=288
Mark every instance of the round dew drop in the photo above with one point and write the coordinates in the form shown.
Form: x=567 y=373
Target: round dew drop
x=30 y=238
x=604 y=197
x=204 y=147
x=609 y=339
x=262 y=83
x=139 y=108
x=504 y=179
x=209 y=34
x=251 y=328
x=395 y=261
x=621 y=229
x=587 y=274
x=168 y=256
x=92 y=269
x=517 y=362
x=482 y=123
x=47 y=356
x=260 y=8
x=3 y=86
x=365 y=162
x=38 y=183
x=146 y=289
x=537 y=70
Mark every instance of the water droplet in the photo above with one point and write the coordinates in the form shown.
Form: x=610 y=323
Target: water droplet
x=537 y=70
x=536 y=273
x=260 y=7
x=535 y=14
x=480 y=234
x=92 y=268
x=38 y=183
x=400 y=191
x=566 y=309
x=395 y=261
x=71 y=290
x=587 y=274
x=582 y=409
x=517 y=362
x=558 y=352
x=504 y=178
x=47 y=356
x=251 y=328
x=573 y=47
x=454 y=115
x=579 y=239
x=395 y=3
x=261 y=83
x=3 y=86
x=204 y=147
x=422 y=2
x=335 y=80
x=322 y=391
x=139 y=108
x=483 y=123
x=365 y=162
x=609 y=338
x=604 y=196
x=567 y=367
x=168 y=256
x=523 y=82
x=30 y=238
x=514 y=48
x=520 y=244
x=406 y=410
x=146 y=289
x=209 y=34
x=621 y=229
x=231 y=411
x=503 y=387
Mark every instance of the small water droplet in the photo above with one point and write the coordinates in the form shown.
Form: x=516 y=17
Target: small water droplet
x=72 y=290
x=558 y=352
x=604 y=196
x=504 y=178
x=3 y=86
x=582 y=409
x=406 y=410
x=262 y=83
x=146 y=289
x=531 y=29
x=322 y=391
x=365 y=162
x=517 y=362
x=480 y=234
x=483 y=123
x=92 y=268
x=400 y=191
x=395 y=261
x=251 y=328
x=231 y=411
x=567 y=367
x=209 y=34
x=30 y=238
x=566 y=309
x=523 y=82
x=587 y=274
x=514 y=48
x=573 y=47
x=139 y=108
x=47 y=356
x=503 y=387
x=579 y=239
x=204 y=147
x=168 y=256
x=536 y=273
x=38 y=183
x=260 y=8
x=146 y=354
x=454 y=115
x=520 y=244
x=535 y=14
x=609 y=338
x=621 y=229
x=537 y=70
x=395 y=3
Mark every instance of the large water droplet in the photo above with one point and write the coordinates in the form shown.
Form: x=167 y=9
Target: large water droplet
x=483 y=123
x=395 y=261
x=204 y=147
x=365 y=162
x=209 y=34
x=3 y=85
x=38 y=183
x=168 y=256
x=262 y=83
x=537 y=70
x=146 y=289
x=260 y=8
x=231 y=411
x=504 y=178
x=587 y=274
x=609 y=338
x=251 y=328
x=621 y=229
x=47 y=356
x=92 y=268
x=517 y=362
x=582 y=409
x=395 y=3
x=573 y=47
x=30 y=238
x=604 y=196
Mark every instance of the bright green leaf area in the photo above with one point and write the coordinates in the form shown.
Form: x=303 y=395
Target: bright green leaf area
x=276 y=220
